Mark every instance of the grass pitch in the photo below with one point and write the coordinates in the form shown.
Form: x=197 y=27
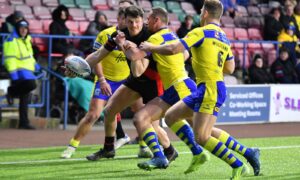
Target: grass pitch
x=280 y=158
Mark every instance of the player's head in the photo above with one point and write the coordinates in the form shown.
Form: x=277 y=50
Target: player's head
x=121 y=18
x=211 y=10
x=126 y=3
x=157 y=19
x=134 y=19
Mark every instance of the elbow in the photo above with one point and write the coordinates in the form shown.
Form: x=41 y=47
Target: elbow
x=136 y=74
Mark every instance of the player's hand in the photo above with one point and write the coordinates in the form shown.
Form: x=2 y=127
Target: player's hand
x=120 y=38
x=128 y=44
x=68 y=72
x=105 y=88
x=146 y=46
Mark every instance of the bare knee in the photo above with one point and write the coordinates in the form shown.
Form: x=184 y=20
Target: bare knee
x=91 y=117
x=140 y=119
x=201 y=138
x=170 y=119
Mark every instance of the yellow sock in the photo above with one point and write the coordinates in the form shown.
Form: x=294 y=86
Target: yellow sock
x=217 y=148
x=232 y=143
x=74 y=143
x=142 y=144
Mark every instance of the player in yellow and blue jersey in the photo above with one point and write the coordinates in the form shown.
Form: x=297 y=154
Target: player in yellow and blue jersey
x=110 y=75
x=176 y=83
x=212 y=57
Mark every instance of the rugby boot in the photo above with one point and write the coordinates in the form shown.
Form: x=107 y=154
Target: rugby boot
x=154 y=163
x=102 y=153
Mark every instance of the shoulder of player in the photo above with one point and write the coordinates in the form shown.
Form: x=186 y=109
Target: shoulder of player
x=108 y=31
x=159 y=34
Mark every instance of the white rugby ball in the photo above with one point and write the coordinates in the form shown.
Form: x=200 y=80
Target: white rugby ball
x=78 y=65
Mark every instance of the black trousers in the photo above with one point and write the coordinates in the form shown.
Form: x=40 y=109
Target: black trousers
x=21 y=89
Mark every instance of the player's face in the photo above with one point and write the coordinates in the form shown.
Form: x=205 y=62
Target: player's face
x=134 y=25
x=121 y=22
x=151 y=22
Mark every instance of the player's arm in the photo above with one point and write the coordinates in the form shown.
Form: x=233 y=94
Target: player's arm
x=186 y=55
x=94 y=58
x=138 y=67
x=229 y=65
x=166 y=49
x=104 y=86
x=129 y=48
x=134 y=53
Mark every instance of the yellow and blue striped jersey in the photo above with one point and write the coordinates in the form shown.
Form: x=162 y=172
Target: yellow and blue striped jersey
x=170 y=67
x=210 y=49
x=115 y=67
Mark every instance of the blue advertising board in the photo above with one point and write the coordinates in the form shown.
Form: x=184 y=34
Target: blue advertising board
x=246 y=104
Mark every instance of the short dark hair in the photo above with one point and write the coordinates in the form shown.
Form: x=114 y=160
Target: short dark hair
x=121 y=12
x=134 y=11
x=161 y=13
x=131 y=2
x=214 y=8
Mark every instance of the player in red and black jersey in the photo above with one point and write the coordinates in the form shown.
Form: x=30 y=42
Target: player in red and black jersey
x=147 y=86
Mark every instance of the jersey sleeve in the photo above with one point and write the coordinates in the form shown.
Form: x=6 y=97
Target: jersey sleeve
x=100 y=40
x=154 y=40
x=230 y=55
x=193 y=38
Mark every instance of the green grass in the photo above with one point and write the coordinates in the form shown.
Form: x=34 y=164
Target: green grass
x=44 y=163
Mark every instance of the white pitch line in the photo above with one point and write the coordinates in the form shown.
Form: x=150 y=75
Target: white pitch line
x=122 y=157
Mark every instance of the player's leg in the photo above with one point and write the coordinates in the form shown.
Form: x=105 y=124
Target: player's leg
x=169 y=150
x=174 y=119
x=153 y=110
x=84 y=126
x=203 y=124
x=144 y=151
x=121 y=137
x=210 y=98
x=251 y=154
x=122 y=98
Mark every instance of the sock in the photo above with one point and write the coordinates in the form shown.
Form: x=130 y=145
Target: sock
x=186 y=134
x=142 y=144
x=109 y=143
x=119 y=131
x=74 y=143
x=220 y=150
x=233 y=144
x=150 y=138
x=169 y=150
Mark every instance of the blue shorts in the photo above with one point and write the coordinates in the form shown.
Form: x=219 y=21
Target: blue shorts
x=208 y=98
x=179 y=91
x=113 y=85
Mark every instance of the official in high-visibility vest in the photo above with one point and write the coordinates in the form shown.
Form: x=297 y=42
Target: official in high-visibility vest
x=21 y=65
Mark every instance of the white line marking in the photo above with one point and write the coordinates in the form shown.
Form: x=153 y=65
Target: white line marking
x=122 y=157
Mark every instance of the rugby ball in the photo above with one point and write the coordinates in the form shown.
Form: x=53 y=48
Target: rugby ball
x=78 y=66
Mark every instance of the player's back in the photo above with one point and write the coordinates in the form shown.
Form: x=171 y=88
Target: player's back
x=210 y=49
x=114 y=65
x=170 y=67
